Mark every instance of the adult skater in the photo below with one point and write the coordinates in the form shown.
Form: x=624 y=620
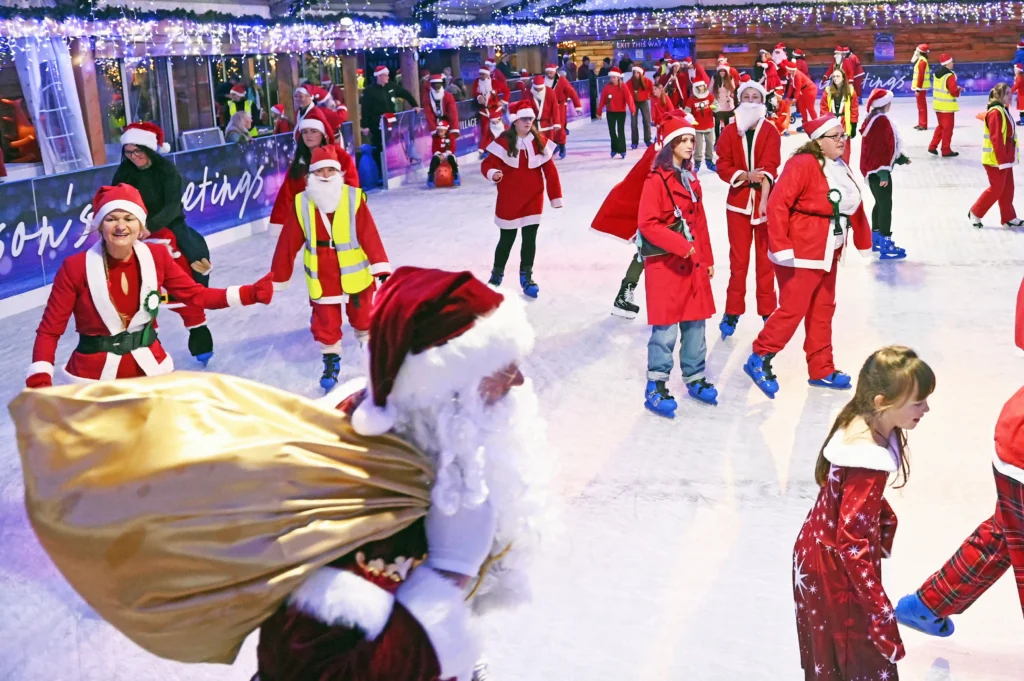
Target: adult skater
x=801 y=62
x=840 y=100
x=617 y=99
x=699 y=105
x=880 y=154
x=784 y=100
x=674 y=81
x=723 y=92
x=1018 y=89
x=113 y=292
x=999 y=155
x=802 y=92
x=678 y=267
x=545 y=107
x=749 y=156
x=440 y=107
x=520 y=163
x=279 y=120
x=442 y=150
x=641 y=87
x=844 y=620
x=491 y=99
x=945 y=92
x=921 y=82
x=160 y=185
x=556 y=79
x=857 y=69
x=661 y=104
x=342 y=253
x=811 y=210
x=378 y=101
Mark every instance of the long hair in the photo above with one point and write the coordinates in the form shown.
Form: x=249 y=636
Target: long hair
x=813 y=148
x=665 y=159
x=722 y=80
x=843 y=91
x=303 y=157
x=641 y=78
x=996 y=94
x=511 y=138
x=898 y=375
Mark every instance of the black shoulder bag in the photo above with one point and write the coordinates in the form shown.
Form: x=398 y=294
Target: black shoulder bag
x=648 y=249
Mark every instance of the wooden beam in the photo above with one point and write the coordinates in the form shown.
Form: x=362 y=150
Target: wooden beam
x=287 y=81
x=83 y=64
x=349 y=80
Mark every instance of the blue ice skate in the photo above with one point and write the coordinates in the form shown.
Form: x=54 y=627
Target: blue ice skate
x=703 y=391
x=728 y=325
x=887 y=250
x=712 y=167
x=457 y=182
x=561 y=151
x=623 y=154
x=696 y=166
x=837 y=380
x=496 y=278
x=658 y=400
x=530 y=288
x=332 y=367
x=876 y=240
x=200 y=344
x=760 y=371
x=204 y=357
x=911 y=612
x=430 y=184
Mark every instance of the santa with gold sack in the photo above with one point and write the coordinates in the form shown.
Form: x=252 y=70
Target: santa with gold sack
x=359 y=533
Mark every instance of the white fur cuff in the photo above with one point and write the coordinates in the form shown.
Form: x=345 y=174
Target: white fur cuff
x=556 y=203
x=440 y=608
x=491 y=174
x=341 y=598
x=234 y=296
x=281 y=285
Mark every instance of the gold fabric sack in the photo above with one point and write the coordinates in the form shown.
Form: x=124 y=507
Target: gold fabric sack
x=185 y=508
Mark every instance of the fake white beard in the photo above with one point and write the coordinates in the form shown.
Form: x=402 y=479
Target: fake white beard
x=484 y=87
x=497 y=453
x=437 y=95
x=778 y=57
x=325 y=192
x=748 y=114
x=549 y=81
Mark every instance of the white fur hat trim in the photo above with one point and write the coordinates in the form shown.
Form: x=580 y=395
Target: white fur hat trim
x=751 y=84
x=119 y=204
x=143 y=138
x=310 y=123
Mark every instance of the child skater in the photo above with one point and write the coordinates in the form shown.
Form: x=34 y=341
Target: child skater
x=880 y=154
x=520 y=163
x=845 y=623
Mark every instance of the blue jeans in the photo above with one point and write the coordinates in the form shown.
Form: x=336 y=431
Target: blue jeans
x=692 y=351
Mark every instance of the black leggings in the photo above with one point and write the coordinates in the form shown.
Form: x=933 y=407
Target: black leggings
x=617 y=130
x=881 y=214
x=636 y=268
x=722 y=119
x=527 y=254
x=435 y=162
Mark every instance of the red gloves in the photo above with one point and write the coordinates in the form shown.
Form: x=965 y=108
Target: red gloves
x=39 y=381
x=260 y=292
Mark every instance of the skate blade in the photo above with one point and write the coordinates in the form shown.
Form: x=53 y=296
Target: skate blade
x=760 y=387
x=625 y=314
x=669 y=415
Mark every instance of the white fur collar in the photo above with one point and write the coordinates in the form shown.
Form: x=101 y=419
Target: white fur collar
x=341 y=598
x=533 y=159
x=855 y=448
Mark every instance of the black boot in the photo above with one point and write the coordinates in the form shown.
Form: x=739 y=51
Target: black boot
x=332 y=367
x=200 y=343
x=496 y=277
x=624 y=306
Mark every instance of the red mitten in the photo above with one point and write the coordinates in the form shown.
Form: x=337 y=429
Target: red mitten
x=39 y=381
x=260 y=292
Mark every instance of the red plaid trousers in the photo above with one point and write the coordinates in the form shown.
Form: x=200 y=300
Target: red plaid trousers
x=984 y=556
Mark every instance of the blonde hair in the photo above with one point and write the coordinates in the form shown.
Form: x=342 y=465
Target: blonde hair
x=996 y=94
x=897 y=374
x=845 y=90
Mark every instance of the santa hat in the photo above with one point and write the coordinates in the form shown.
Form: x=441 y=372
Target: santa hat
x=325 y=156
x=1020 y=44
x=325 y=82
x=120 y=197
x=722 y=59
x=798 y=54
x=781 y=46
x=277 y=109
x=674 y=127
x=521 y=109
x=302 y=89
x=238 y=90
x=489 y=63
x=315 y=120
x=381 y=70
x=638 y=69
x=747 y=83
x=434 y=334
x=819 y=126
x=945 y=59
x=687 y=62
x=924 y=49
x=878 y=98
x=538 y=83
x=723 y=63
x=149 y=135
x=551 y=68
x=484 y=71
x=1018 y=67
x=524 y=73
x=615 y=72
x=442 y=122
x=699 y=81
x=789 y=65
x=319 y=95
x=436 y=78
x=839 y=50
x=359 y=72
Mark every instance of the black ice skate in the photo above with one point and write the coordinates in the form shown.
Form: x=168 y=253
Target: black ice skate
x=624 y=306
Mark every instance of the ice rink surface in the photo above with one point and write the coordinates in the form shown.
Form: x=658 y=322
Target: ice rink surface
x=674 y=554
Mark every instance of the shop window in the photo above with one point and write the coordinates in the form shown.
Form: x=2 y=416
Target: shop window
x=193 y=96
x=149 y=95
x=18 y=140
x=259 y=76
x=110 y=90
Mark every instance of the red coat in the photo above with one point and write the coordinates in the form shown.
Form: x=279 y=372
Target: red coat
x=1018 y=87
x=282 y=126
x=678 y=287
x=617 y=216
x=564 y=93
x=858 y=73
x=801 y=66
x=442 y=144
x=660 y=107
x=879 y=147
x=641 y=95
x=828 y=106
x=292 y=186
x=701 y=111
x=734 y=159
x=489 y=113
x=1003 y=132
x=801 y=87
x=545 y=105
x=845 y=622
x=616 y=98
x=800 y=223
x=677 y=87
x=81 y=289
x=524 y=176
x=446 y=107
x=290 y=242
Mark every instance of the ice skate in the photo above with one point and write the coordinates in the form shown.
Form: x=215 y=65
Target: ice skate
x=760 y=371
x=728 y=325
x=634 y=146
x=430 y=184
x=703 y=391
x=975 y=220
x=496 y=278
x=911 y=612
x=457 y=182
x=952 y=154
x=561 y=151
x=712 y=167
x=530 y=288
x=837 y=380
x=624 y=306
x=1016 y=222
x=875 y=239
x=200 y=344
x=623 y=154
x=659 y=400
x=887 y=250
x=332 y=367
x=696 y=166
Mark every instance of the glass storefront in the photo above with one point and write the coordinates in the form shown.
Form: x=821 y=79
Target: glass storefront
x=18 y=141
x=259 y=76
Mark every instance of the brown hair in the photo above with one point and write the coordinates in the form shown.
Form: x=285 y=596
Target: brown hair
x=897 y=374
x=511 y=138
x=666 y=160
x=642 y=77
x=813 y=148
x=842 y=92
x=996 y=94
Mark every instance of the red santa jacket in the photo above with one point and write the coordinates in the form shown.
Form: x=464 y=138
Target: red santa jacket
x=801 y=66
x=442 y=144
x=1018 y=88
x=678 y=284
x=498 y=92
x=800 y=223
x=736 y=156
x=858 y=73
x=677 y=86
x=285 y=200
x=880 y=146
x=524 y=176
x=282 y=126
x=771 y=80
x=290 y=242
x=1003 y=134
x=701 y=111
x=800 y=87
x=564 y=93
x=81 y=289
x=616 y=98
x=446 y=107
x=617 y=216
x=660 y=107
x=641 y=94
x=545 y=104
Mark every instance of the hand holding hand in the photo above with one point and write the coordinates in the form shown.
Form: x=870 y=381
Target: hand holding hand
x=497 y=176
x=202 y=266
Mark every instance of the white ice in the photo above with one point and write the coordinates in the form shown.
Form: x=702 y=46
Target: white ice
x=675 y=553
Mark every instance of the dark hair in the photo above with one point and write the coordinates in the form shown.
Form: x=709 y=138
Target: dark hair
x=303 y=156
x=847 y=89
x=721 y=81
x=897 y=374
x=511 y=138
x=156 y=160
x=665 y=159
x=813 y=148
x=643 y=79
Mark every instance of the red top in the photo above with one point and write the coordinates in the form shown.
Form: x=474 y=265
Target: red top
x=524 y=178
x=446 y=107
x=701 y=111
x=878 y=148
x=617 y=215
x=285 y=201
x=641 y=95
x=736 y=156
x=282 y=126
x=616 y=98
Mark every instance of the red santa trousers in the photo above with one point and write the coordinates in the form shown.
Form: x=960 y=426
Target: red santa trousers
x=782 y=116
x=805 y=106
x=997 y=544
x=943 y=131
x=804 y=295
x=326 y=320
x=742 y=235
x=191 y=316
x=1000 y=189
x=922 y=108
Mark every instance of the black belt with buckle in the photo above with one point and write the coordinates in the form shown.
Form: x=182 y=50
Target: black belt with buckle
x=324 y=244
x=120 y=344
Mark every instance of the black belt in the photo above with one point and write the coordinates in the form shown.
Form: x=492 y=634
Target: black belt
x=324 y=244
x=120 y=344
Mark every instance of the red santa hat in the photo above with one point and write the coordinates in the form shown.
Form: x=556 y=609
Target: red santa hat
x=1020 y=44
x=436 y=78
x=381 y=70
x=484 y=71
x=315 y=120
x=722 y=59
x=839 y=50
x=359 y=72
x=539 y=83
x=615 y=71
x=325 y=82
x=489 y=63
x=120 y=197
x=700 y=82
x=277 y=110
x=442 y=123
x=781 y=46
x=638 y=69
x=687 y=62
x=149 y=135
x=924 y=49
x=237 y=90
x=325 y=156
x=521 y=109
x=551 y=68
x=819 y=126
x=302 y=89
x=748 y=83
x=1018 y=67
x=435 y=334
x=723 y=63
x=677 y=126
x=789 y=65
x=798 y=54
x=878 y=98
x=945 y=59
x=524 y=73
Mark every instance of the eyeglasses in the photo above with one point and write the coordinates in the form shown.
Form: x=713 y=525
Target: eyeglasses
x=136 y=152
x=841 y=137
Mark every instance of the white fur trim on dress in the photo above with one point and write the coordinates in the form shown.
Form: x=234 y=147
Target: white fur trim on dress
x=40 y=368
x=861 y=452
x=339 y=597
x=440 y=608
x=119 y=204
x=517 y=223
x=234 y=296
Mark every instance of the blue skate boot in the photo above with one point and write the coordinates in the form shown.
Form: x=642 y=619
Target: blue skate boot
x=887 y=250
x=430 y=183
x=457 y=182
x=696 y=167
x=658 y=400
x=837 y=380
x=496 y=278
x=561 y=151
x=703 y=391
x=728 y=325
x=623 y=154
x=200 y=344
x=760 y=371
x=530 y=288
x=332 y=366
x=876 y=240
x=712 y=167
x=911 y=612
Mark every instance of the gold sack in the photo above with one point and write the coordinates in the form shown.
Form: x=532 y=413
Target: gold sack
x=185 y=508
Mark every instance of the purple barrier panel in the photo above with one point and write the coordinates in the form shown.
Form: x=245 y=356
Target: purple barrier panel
x=973 y=78
x=407 y=144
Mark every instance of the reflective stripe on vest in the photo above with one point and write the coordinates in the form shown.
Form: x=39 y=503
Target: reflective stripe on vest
x=942 y=100
x=352 y=260
x=926 y=82
x=988 y=152
x=233 y=109
x=847 y=118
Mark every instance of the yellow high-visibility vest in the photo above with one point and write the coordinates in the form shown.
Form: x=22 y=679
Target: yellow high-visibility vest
x=233 y=109
x=847 y=117
x=942 y=100
x=988 y=152
x=352 y=260
x=926 y=82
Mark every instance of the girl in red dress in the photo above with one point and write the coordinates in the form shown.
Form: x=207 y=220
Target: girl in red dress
x=845 y=623
x=520 y=162
x=880 y=154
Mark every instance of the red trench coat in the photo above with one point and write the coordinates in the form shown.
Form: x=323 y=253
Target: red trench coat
x=678 y=288
x=617 y=216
